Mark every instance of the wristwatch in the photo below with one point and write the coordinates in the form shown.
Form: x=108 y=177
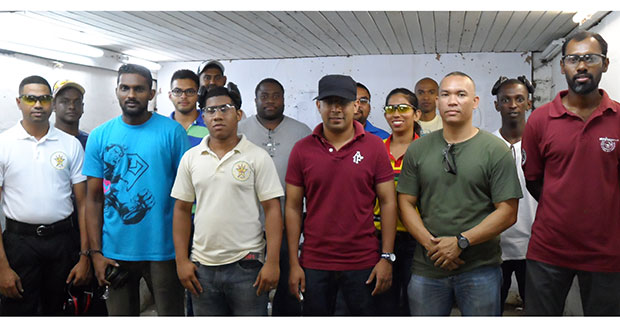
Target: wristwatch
x=390 y=257
x=463 y=242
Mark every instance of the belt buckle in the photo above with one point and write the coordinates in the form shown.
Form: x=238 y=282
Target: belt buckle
x=44 y=230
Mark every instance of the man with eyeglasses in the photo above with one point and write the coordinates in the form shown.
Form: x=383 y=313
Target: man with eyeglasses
x=363 y=111
x=40 y=166
x=426 y=90
x=183 y=94
x=571 y=160
x=465 y=185
x=131 y=162
x=228 y=176
x=340 y=169
x=277 y=134
x=211 y=74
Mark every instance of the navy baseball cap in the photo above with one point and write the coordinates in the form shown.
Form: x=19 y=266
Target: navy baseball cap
x=337 y=85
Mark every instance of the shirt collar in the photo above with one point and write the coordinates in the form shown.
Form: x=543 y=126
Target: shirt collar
x=21 y=134
x=199 y=121
x=240 y=147
x=359 y=130
x=558 y=109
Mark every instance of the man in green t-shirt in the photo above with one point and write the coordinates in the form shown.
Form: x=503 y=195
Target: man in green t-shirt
x=464 y=182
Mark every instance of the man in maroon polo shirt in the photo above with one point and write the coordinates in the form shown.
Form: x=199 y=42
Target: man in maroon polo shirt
x=340 y=169
x=571 y=162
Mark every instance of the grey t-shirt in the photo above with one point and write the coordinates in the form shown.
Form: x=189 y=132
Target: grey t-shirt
x=451 y=204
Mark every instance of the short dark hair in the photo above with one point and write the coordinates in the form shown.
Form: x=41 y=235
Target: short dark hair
x=503 y=81
x=137 y=69
x=185 y=74
x=413 y=100
x=360 y=85
x=230 y=91
x=581 y=35
x=460 y=74
x=268 y=81
x=426 y=78
x=33 y=80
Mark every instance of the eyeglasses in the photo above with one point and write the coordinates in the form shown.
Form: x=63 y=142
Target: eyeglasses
x=33 y=99
x=364 y=100
x=224 y=108
x=589 y=59
x=401 y=108
x=449 y=165
x=188 y=92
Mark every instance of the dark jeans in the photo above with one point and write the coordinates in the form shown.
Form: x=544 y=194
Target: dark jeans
x=547 y=286
x=161 y=277
x=509 y=267
x=395 y=302
x=284 y=303
x=43 y=264
x=322 y=287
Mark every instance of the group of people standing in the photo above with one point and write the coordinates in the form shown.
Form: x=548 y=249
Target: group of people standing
x=215 y=211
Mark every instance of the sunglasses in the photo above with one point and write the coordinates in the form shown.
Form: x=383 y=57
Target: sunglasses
x=401 y=108
x=33 y=99
x=449 y=165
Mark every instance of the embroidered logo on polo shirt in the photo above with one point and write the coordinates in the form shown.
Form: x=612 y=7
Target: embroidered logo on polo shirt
x=59 y=160
x=357 y=158
x=241 y=170
x=607 y=144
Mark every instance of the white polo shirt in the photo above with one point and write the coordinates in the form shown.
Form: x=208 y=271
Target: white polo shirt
x=37 y=176
x=228 y=192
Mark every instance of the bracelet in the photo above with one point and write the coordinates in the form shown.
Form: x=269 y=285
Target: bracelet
x=91 y=252
x=85 y=253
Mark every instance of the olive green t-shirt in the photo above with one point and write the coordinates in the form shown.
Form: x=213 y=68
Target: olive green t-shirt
x=451 y=204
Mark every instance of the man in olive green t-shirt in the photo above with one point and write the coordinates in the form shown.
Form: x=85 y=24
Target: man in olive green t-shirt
x=464 y=182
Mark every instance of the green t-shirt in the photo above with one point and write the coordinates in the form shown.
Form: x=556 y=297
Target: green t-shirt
x=451 y=204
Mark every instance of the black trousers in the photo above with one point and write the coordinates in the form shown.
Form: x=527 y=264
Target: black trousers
x=546 y=288
x=509 y=267
x=43 y=264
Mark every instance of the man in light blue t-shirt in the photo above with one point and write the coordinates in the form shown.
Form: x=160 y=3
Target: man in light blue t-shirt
x=134 y=158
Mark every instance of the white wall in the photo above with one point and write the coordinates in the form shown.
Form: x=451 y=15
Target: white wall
x=380 y=73
x=100 y=103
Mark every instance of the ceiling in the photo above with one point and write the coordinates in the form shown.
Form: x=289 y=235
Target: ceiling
x=195 y=35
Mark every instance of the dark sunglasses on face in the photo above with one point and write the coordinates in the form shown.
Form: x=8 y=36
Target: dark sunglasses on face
x=449 y=165
x=401 y=108
x=33 y=99
x=178 y=92
x=224 y=108
x=588 y=59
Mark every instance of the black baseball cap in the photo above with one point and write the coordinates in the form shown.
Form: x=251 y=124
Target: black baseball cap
x=337 y=85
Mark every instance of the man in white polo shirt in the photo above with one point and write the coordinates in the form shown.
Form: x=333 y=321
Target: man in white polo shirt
x=39 y=167
x=227 y=176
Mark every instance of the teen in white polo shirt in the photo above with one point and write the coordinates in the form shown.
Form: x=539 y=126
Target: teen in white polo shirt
x=39 y=167
x=228 y=176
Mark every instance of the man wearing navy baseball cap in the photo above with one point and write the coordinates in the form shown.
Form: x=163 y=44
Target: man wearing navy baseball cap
x=340 y=169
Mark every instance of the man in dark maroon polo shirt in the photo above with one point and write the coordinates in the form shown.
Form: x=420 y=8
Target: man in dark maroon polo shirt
x=571 y=162
x=341 y=170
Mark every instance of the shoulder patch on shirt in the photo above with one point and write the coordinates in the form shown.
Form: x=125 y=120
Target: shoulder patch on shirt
x=241 y=170
x=59 y=160
x=607 y=144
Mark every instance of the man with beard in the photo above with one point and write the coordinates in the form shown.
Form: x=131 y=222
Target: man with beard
x=211 y=74
x=571 y=163
x=184 y=95
x=134 y=158
x=277 y=134
x=513 y=101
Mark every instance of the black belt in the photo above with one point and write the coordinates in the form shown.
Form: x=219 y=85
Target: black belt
x=22 y=228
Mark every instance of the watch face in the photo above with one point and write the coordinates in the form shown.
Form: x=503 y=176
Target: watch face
x=463 y=243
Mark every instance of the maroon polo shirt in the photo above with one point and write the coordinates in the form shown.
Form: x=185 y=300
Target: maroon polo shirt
x=340 y=196
x=577 y=222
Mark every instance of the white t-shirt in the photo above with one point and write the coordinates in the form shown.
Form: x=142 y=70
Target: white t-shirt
x=514 y=240
x=227 y=192
x=431 y=125
x=37 y=176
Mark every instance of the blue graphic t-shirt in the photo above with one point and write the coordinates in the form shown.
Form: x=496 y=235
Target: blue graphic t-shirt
x=138 y=165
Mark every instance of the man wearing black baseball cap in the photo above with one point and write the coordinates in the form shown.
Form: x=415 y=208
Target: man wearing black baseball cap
x=211 y=74
x=340 y=169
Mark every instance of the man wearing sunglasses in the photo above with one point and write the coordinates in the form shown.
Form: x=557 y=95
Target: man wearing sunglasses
x=228 y=272
x=340 y=169
x=183 y=94
x=40 y=167
x=363 y=111
x=465 y=183
x=571 y=162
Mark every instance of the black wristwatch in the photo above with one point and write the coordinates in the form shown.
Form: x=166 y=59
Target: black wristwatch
x=390 y=257
x=463 y=242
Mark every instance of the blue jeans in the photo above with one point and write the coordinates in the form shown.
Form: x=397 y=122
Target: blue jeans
x=322 y=287
x=476 y=292
x=228 y=290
